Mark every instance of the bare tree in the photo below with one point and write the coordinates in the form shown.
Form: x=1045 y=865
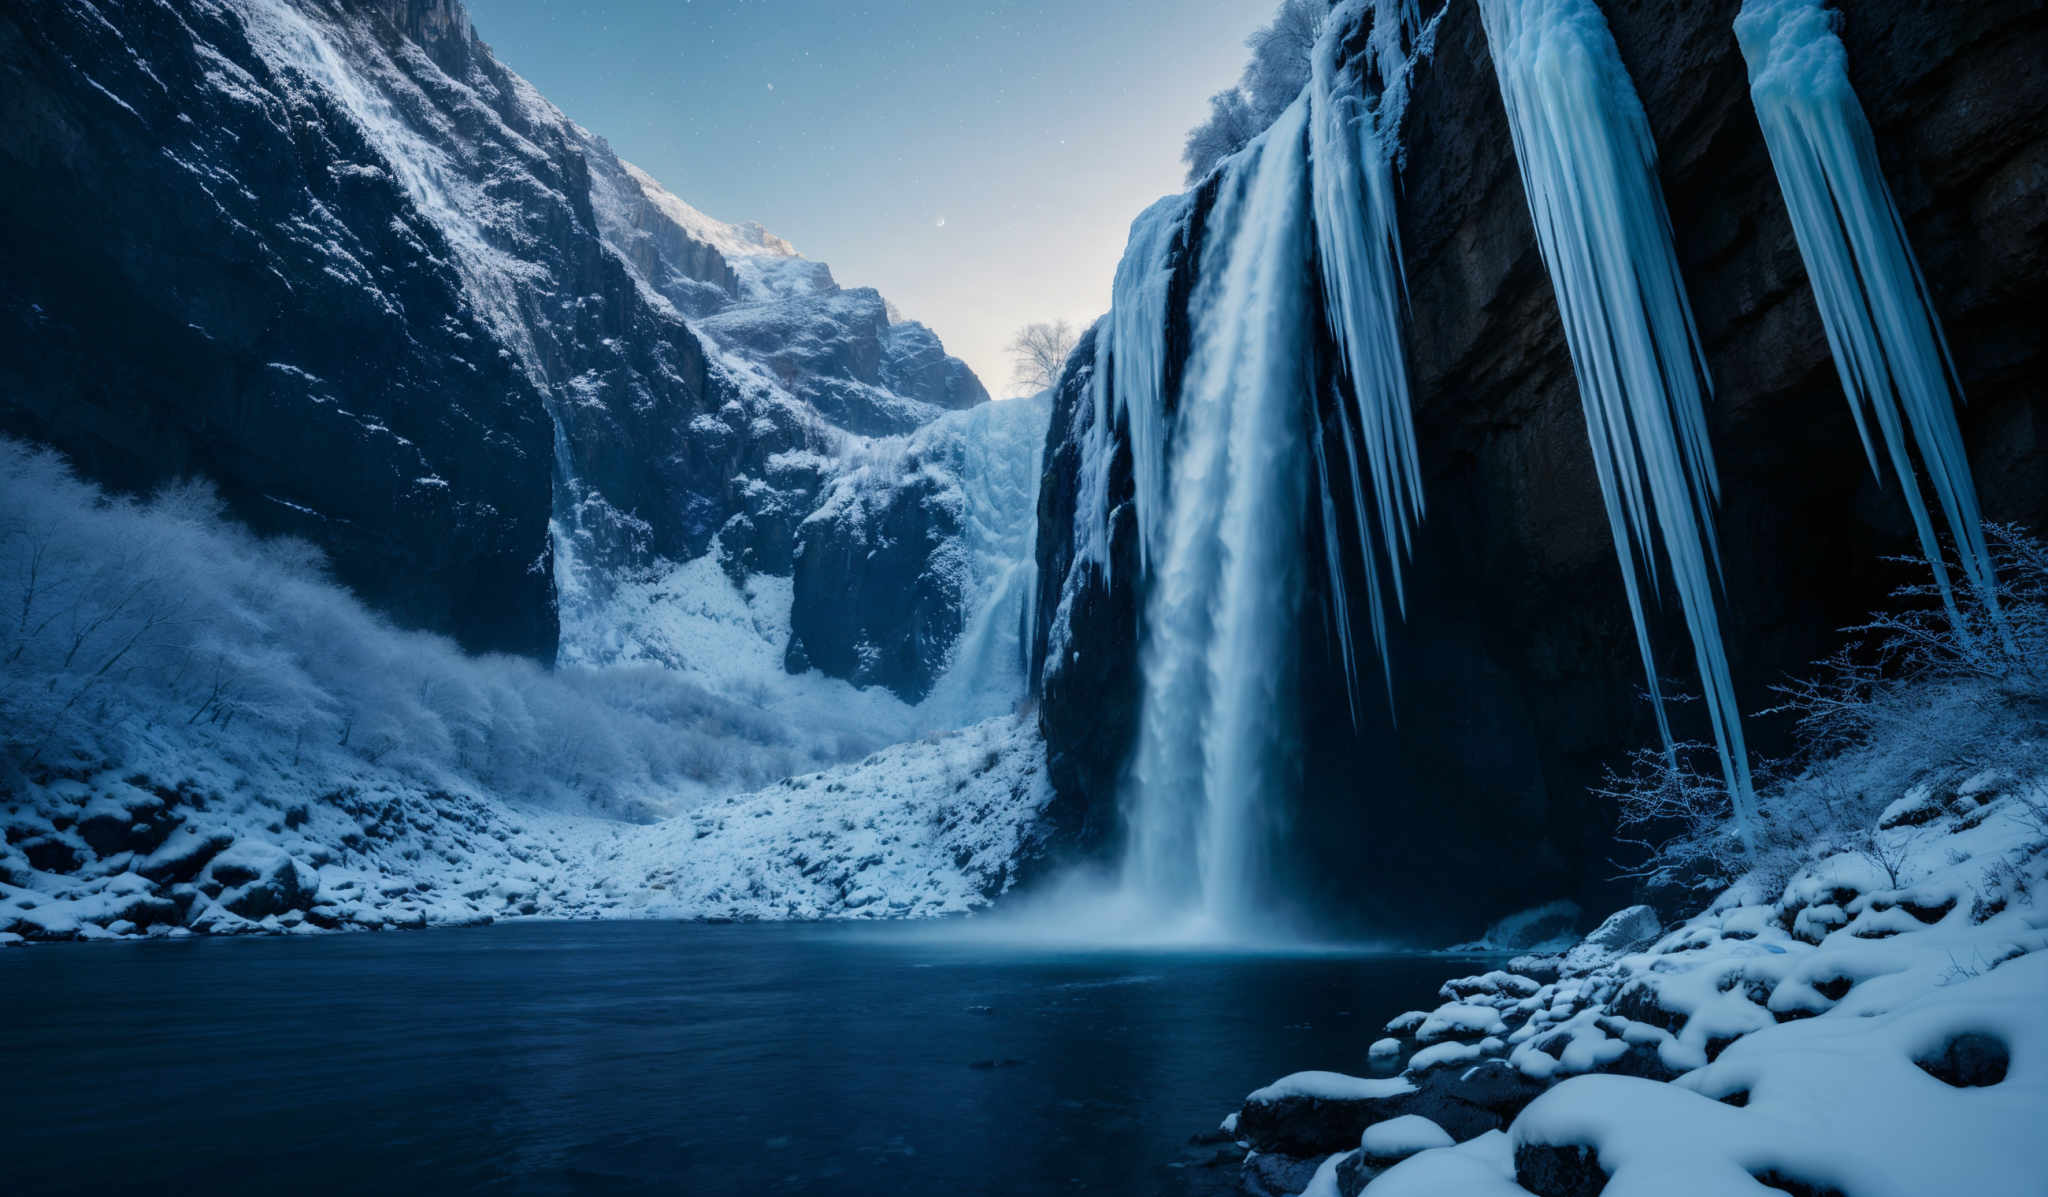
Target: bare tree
x=1040 y=353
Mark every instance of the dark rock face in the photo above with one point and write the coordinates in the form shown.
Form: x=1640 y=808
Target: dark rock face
x=207 y=274
x=333 y=257
x=1515 y=671
x=880 y=582
x=1088 y=680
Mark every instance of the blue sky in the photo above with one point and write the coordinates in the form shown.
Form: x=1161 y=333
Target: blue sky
x=1035 y=132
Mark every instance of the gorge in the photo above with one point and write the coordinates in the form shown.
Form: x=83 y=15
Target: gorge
x=418 y=516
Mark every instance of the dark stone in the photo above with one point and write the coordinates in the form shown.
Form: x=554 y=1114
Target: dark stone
x=879 y=589
x=181 y=859
x=48 y=854
x=1973 y=1059
x=1266 y=1174
x=1559 y=1170
x=1465 y=1102
x=1771 y=1178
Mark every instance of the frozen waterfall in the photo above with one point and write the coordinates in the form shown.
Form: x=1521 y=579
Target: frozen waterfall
x=1589 y=172
x=1887 y=340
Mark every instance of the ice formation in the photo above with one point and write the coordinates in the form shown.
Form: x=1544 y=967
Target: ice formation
x=1589 y=172
x=1220 y=502
x=1358 y=250
x=1886 y=338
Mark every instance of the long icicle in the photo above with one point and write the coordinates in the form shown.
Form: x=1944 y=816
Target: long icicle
x=1887 y=341
x=1358 y=250
x=1588 y=168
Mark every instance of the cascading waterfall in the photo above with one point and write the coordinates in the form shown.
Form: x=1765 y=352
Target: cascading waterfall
x=1224 y=592
x=1217 y=484
x=1588 y=169
x=1887 y=340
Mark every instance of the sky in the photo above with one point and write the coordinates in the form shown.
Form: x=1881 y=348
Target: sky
x=978 y=163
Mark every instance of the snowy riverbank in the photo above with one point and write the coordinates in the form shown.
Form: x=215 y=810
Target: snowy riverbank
x=1876 y=1023
x=926 y=828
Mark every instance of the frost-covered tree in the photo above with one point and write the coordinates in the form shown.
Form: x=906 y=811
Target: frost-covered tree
x=1229 y=127
x=1279 y=67
x=1278 y=70
x=1039 y=353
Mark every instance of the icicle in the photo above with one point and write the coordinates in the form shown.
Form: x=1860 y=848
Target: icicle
x=1129 y=382
x=1589 y=171
x=1887 y=340
x=1364 y=294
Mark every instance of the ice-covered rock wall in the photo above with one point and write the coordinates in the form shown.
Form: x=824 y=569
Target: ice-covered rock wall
x=1515 y=671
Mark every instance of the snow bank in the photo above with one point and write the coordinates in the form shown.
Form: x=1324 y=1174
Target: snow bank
x=1876 y=1023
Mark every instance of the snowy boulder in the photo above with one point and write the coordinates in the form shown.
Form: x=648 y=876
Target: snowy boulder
x=1622 y=932
x=1318 y=1113
x=258 y=880
x=1384 y=1055
x=1385 y=1144
x=1551 y=926
x=1458 y=1020
x=183 y=855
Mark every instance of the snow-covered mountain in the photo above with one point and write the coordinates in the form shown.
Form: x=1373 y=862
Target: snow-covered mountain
x=339 y=259
x=333 y=259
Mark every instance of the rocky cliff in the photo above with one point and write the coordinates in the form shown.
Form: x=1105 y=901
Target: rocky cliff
x=1515 y=669
x=334 y=257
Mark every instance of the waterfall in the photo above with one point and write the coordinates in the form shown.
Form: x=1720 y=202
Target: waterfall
x=1887 y=341
x=1218 y=655
x=1589 y=173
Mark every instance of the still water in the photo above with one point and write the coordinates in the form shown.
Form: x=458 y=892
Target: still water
x=645 y=1057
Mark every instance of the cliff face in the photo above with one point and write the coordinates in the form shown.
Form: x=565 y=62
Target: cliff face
x=207 y=274
x=1515 y=670
x=334 y=257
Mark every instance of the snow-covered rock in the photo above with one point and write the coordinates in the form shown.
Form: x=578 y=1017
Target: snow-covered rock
x=1872 y=1024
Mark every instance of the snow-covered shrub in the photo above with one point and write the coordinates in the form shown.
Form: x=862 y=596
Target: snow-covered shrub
x=1278 y=70
x=1916 y=699
x=158 y=628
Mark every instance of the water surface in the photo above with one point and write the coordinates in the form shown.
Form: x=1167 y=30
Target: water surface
x=645 y=1057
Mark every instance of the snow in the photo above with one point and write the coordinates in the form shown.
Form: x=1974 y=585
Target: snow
x=274 y=731
x=1402 y=1136
x=1328 y=1086
x=1481 y=1167
x=1875 y=1022
x=1588 y=168
x=1887 y=340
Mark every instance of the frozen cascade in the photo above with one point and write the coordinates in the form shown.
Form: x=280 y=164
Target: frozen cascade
x=1129 y=382
x=995 y=451
x=1589 y=172
x=1886 y=338
x=1353 y=137
x=1218 y=654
